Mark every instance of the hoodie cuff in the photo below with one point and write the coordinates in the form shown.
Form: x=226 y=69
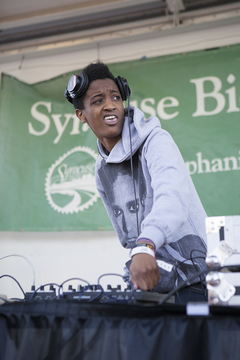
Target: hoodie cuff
x=154 y=235
x=146 y=242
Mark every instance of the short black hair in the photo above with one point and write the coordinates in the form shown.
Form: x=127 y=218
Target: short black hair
x=94 y=71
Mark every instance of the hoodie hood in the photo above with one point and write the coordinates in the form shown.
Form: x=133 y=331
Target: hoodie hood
x=140 y=128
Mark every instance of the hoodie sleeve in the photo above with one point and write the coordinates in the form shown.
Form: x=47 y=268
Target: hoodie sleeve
x=169 y=180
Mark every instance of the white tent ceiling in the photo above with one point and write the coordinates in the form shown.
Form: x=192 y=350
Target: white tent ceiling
x=30 y=25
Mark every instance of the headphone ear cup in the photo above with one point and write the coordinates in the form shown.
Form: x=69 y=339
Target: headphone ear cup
x=67 y=96
x=83 y=85
x=77 y=86
x=123 y=87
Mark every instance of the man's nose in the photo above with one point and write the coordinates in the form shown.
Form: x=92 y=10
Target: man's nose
x=124 y=225
x=109 y=104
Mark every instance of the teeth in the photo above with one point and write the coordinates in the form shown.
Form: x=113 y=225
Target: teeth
x=109 y=117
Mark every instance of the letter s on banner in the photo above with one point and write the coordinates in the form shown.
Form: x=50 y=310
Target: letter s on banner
x=44 y=119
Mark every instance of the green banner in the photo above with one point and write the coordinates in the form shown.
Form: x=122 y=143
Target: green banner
x=47 y=156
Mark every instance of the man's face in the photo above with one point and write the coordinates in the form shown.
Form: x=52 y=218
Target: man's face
x=125 y=209
x=103 y=111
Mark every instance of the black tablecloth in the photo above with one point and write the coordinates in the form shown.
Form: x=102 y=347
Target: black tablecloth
x=70 y=330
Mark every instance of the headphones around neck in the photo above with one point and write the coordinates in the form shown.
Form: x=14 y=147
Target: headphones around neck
x=78 y=85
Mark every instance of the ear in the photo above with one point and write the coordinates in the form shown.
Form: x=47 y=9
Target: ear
x=81 y=116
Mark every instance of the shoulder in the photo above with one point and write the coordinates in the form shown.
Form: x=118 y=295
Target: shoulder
x=160 y=146
x=158 y=137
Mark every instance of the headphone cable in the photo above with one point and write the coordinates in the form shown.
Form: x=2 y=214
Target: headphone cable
x=131 y=162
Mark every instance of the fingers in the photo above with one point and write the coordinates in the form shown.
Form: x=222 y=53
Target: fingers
x=144 y=272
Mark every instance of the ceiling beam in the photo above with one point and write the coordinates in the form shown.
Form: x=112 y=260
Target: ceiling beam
x=147 y=19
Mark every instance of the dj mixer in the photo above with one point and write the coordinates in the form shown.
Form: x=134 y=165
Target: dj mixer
x=96 y=294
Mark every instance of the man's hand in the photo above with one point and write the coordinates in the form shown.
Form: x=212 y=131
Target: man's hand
x=144 y=272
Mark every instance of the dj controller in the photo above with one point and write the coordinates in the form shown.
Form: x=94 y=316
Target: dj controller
x=96 y=294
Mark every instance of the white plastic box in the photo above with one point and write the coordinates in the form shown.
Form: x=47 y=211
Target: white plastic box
x=223 y=241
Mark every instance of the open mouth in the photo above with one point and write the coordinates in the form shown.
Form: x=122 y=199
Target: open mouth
x=110 y=119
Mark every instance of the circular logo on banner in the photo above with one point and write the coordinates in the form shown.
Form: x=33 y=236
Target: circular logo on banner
x=70 y=182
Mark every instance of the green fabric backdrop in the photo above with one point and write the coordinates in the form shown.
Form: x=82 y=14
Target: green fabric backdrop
x=47 y=156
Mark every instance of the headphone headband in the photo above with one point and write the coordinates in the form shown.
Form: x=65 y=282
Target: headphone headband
x=78 y=85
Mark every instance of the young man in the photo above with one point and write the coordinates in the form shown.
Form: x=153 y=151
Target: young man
x=166 y=233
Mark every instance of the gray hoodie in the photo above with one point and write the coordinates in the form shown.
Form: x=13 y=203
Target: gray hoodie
x=166 y=208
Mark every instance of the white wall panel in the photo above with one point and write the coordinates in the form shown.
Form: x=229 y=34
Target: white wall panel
x=57 y=257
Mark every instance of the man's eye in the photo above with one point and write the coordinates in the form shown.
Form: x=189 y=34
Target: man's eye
x=116 y=97
x=98 y=101
x=117 y=212
x=133 y=208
